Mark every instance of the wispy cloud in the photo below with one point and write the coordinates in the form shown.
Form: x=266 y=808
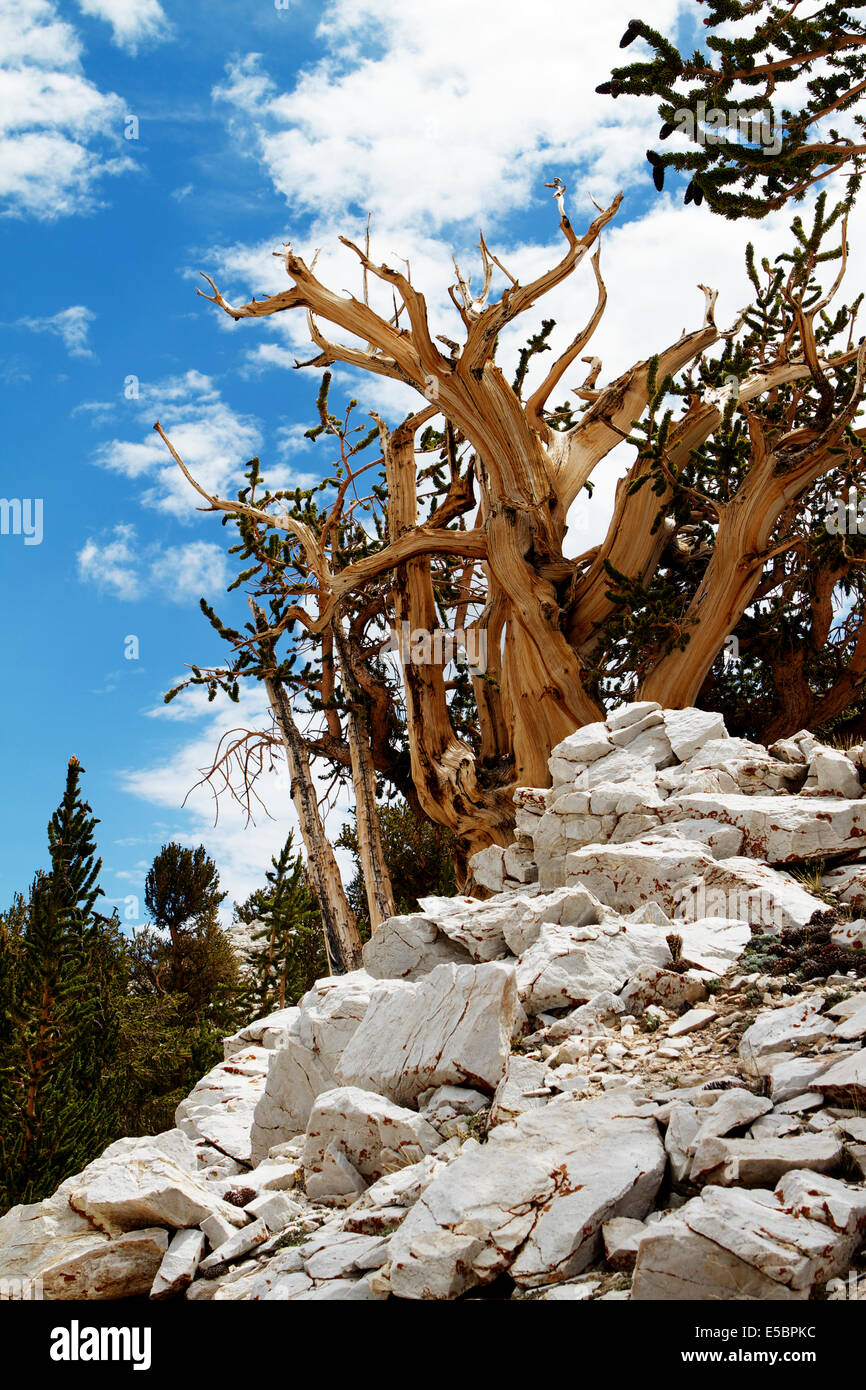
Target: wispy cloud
x=71 y=326
x=122 y=565
x=134 y=23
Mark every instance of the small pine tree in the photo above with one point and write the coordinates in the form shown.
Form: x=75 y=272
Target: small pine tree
x=287 y=953
x=419 y=856
x=63 y=971
x=182 y=894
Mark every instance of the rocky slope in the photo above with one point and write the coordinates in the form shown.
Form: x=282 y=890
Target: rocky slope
x=636 y=1071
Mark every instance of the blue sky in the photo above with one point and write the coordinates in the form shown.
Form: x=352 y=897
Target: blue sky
x=253 y=124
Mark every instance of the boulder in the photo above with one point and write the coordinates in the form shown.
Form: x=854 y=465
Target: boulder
x=782 y=1029
x=732 y=1244
x=761 y=1162
x=522 y=1075
x=269 y=1032
x=851 y=936
x=780 y=829
x=296 y=1077
x=376 y=1135
x=454 y=1025
x=621 y=1237
x=653 y=984
x=488 y=868
x=585 y=745
x=220 y=1107
x=569 y=965
x=404 y=948
x=478 y=927
x=238 y=1245
x=568 y=907
x=49 y=1251
x=128 y=1190
x=532 y=1200
x=848 y=884
x=845 y=1080
x=179 y=1264
x=690 y=729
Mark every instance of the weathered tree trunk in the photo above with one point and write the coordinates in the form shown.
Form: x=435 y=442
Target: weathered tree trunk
x=342 y=940
x=377 y=881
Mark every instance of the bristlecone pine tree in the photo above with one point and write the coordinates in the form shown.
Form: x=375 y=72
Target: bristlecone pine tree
x=751 y=152
x=61 y=989
x=738 y=436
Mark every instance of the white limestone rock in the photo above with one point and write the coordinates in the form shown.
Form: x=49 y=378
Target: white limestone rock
x=848 y=884
x=723 y=841
x=852 y=1028
x=569 y=965
x=220 y=1107
x=761 y=1162
x=845 y=1080
x=487 y=868
x=47 y=1250
x=376 y=1136
x=831 y=773
x=683 y=1125
x=734 y=1109
x=690 y=729
x=522 y=1075
x=653 y=984
x=789 y=1076
x=275 y=1209
x=621 y=1237
x=627 y=734
x=837 y=1204
x=295 y=1079
x=179 y=1264
x=850 y=935
x=270 y=1032
x=131 y=1190
x=779 y=1031
x=455 y=1025
x=478 y=927
x=404 y=948
x=584 y=745
x=332 y=1010
x=588 y=1018
x=567 y=907
x=780 y=829
x=238 y=1245
x=622 y=716
x=519 y=864
x=532 y=1200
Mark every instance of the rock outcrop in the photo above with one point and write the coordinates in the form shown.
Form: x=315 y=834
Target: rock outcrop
x=634 y=1069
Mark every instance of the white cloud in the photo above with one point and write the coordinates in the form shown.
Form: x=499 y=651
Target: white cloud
x=213 y=440
x=242 y=852
x=133 y=22
x=464 y=112
x=128 y=569
x=71 y=325
x=59 y=134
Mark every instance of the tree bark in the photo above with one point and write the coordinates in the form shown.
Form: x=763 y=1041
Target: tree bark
x=342 y=941
x=377 y=881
